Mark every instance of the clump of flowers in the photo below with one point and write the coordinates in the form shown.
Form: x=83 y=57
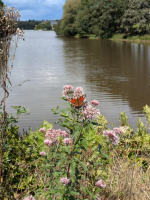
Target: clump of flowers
x=67 y=141
x=65 y=180
x=117 y=130
x=42 y=153
x=78 y=92
x=94 y=102
x=100 y=183
x=29 y=198
x=67 y=91
x=52 y=134
x=48 y=142
x=114 y=138
x=88 y=112
x=42 y=130
x=64 y=134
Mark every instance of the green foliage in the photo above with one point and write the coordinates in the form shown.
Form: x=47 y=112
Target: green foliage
x=28 y=25
x=104 y=17
x=79 y=161
x=20 y=156
x=136 y=17
x=1 y=3
x=45 y=25
x=146 y=110
x=67 y=24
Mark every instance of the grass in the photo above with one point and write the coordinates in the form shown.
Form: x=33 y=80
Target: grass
x=122 y=36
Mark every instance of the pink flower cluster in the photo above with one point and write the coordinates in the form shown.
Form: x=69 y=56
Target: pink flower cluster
x=64 y=180
x=67 y=141
x=42 y=130
x=64 y=134
x=100 y=183
x=42 y=153
x=89 y=112
x=78 y=92
x=52 y=136
x=67 y=91
x=114 y=138
x=94 y=102
x=29 y=198
x=117 y=130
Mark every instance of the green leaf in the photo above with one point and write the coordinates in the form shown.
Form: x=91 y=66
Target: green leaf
x=72 y=167
x=82 y=164
x=106 y=156
x=84 y=143
x=99 y=147
x=64 y=114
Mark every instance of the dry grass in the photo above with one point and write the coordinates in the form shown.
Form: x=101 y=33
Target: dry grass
x=128 y=181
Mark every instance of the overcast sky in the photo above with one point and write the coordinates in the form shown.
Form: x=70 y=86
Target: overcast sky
x=38 y=9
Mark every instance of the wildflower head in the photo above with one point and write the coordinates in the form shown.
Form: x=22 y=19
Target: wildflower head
x=89 y=112
x=67 y=141
x=64 y=180
x=114 y=138
x=64 y=134
x=52 y=134
x=29 y=198
x=67 y=91
x=94 y=102
x=78 y=92
x=42 y=130
x=48 y=142
x=117 y=130
x=100 y=183
x=42 y=153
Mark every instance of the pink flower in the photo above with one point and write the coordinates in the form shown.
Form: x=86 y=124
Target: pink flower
x=29 y=198
x=100 y=183
x=112 y=136
x=64 y=180
x=42 y=130
x=67 y=91
x=89 y=112
x=94 y=102
x=42 y=153
x=117 y=130
x=64 y=134
x=98 y=198
x=67 y=141
x=52 y=134
x=78 y=92
x=48 y=142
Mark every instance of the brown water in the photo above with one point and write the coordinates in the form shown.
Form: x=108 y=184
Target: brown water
x=116 y=73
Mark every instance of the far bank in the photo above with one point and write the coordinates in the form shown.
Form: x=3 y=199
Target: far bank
x=121 y=37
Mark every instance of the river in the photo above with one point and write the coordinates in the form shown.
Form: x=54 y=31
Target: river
x=116 y=73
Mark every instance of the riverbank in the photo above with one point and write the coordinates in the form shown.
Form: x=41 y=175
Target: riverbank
x=121 y=37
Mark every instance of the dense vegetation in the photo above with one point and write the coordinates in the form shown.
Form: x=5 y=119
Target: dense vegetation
x=45 y=25
x=1 y=3
x=104 y=17
x=28 y=25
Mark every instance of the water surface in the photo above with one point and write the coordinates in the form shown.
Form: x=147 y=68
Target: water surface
x=116 y=73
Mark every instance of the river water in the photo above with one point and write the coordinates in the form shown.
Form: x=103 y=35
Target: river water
x=116 y=73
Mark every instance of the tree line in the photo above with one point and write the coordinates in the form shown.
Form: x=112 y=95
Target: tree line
x=45 y=25
x=104 y=17
x=28 y=25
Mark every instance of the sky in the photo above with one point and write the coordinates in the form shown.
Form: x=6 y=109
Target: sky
x=38 y=9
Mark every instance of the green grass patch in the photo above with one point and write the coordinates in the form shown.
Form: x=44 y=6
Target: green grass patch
x=118 y=36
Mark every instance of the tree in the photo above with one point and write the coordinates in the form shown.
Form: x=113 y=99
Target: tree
x=67 y=25
x=106 y=16
x=1 y=3
x=136 y=17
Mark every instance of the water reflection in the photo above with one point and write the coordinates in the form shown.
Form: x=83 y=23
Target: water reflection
x=115 y=73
